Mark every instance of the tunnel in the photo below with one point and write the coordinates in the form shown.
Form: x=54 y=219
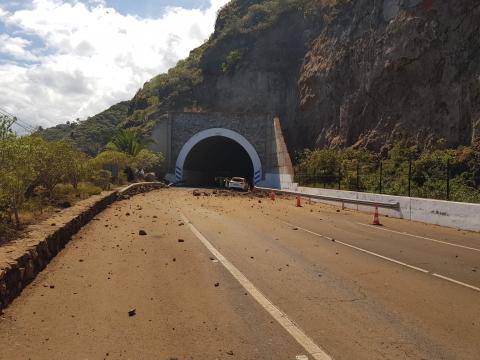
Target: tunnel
x=216 y=157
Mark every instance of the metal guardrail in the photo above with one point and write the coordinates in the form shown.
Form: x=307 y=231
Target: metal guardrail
x=380 y=204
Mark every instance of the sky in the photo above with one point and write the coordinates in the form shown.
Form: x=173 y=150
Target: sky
x=66 y=59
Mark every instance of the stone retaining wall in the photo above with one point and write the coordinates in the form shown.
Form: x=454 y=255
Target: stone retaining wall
x=22 y=259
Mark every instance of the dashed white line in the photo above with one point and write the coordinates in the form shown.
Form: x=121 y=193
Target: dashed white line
x=386 y=258
x=421 y=237
x=360 y=249
x=456 y=281
x=304 y=340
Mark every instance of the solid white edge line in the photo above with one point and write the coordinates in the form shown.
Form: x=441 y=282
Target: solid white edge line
x=360 y=249
x=387 y=258
x=306 y=342
x=420 y=237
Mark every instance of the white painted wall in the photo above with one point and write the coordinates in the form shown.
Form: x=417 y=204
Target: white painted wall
x=458 y=215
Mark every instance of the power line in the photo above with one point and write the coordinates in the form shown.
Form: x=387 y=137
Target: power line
x=18 y=122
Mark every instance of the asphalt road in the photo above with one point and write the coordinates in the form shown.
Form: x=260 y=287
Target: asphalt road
x=236 y=277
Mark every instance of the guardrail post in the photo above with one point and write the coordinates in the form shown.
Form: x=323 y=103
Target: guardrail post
x=409 y=177
x=448 y=179
x=381 y=176
x=358 y=174
x=339 y=177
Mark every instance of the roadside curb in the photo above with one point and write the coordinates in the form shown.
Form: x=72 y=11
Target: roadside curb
x=24 y=258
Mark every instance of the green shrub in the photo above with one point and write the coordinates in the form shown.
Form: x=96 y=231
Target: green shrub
x=148 y=160
x=63 y=190
x=86 y=189
x=101 y=178
x=428 y=171
x=231 y=61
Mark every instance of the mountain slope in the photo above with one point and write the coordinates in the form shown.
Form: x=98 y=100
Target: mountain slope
x=338 y=73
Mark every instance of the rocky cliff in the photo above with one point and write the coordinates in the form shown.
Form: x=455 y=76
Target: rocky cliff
x=364 y=73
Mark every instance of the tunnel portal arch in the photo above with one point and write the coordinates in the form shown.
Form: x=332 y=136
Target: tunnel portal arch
x=212 y=133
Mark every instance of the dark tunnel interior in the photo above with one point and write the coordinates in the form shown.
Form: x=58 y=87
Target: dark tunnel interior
x=215 y=157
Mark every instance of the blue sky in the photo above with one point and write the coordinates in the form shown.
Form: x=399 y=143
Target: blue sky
x=66 y=59
x=154 y=8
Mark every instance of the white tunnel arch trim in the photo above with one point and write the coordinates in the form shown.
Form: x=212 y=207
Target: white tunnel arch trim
x=205 y=134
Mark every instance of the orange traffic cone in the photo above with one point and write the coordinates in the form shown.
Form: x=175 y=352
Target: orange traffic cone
x=376 y=218
x=272 y=195
x=299 y=203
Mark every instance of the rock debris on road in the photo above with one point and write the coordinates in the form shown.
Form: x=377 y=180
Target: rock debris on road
x=110 y=294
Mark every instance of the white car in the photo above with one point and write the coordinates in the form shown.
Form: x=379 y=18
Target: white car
x=238 y=183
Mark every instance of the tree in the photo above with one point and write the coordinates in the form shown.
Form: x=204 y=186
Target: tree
x=148 y=160
x=18 y=173
x=129 y=142
x=79 y=167
x=6 y=123
x=114 y=161
x=52 y=162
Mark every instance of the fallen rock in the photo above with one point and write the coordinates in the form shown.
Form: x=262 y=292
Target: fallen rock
x=132 y=312
x=217 y=284
x=142 y=233
x=181 y=240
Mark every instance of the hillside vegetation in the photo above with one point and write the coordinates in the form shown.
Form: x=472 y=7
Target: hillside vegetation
x=91 y=135
x=39 y=176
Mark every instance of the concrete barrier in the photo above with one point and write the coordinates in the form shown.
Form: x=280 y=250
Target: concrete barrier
x=22 y=259
x=457 y=215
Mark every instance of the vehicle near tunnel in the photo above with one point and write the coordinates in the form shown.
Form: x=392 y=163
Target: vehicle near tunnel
x=238 y=183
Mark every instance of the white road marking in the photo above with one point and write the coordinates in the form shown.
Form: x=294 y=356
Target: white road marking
x=386 y=258
x=421 y=237
x=306 y=342
x=456 y=281
x=359 y=249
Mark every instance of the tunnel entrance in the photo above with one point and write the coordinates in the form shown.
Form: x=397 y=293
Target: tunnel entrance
x=216 y=157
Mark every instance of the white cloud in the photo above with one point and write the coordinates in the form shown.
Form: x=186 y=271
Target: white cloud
x=93 y=56
x=16 y=47
x=3 y=13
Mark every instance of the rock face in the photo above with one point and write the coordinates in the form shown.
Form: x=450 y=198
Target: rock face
x=364 y=73
x=397 y=70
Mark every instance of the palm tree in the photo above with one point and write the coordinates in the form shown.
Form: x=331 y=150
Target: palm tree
x=128 y=141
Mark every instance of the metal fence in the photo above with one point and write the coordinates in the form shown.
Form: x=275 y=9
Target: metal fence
x=391 y=178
